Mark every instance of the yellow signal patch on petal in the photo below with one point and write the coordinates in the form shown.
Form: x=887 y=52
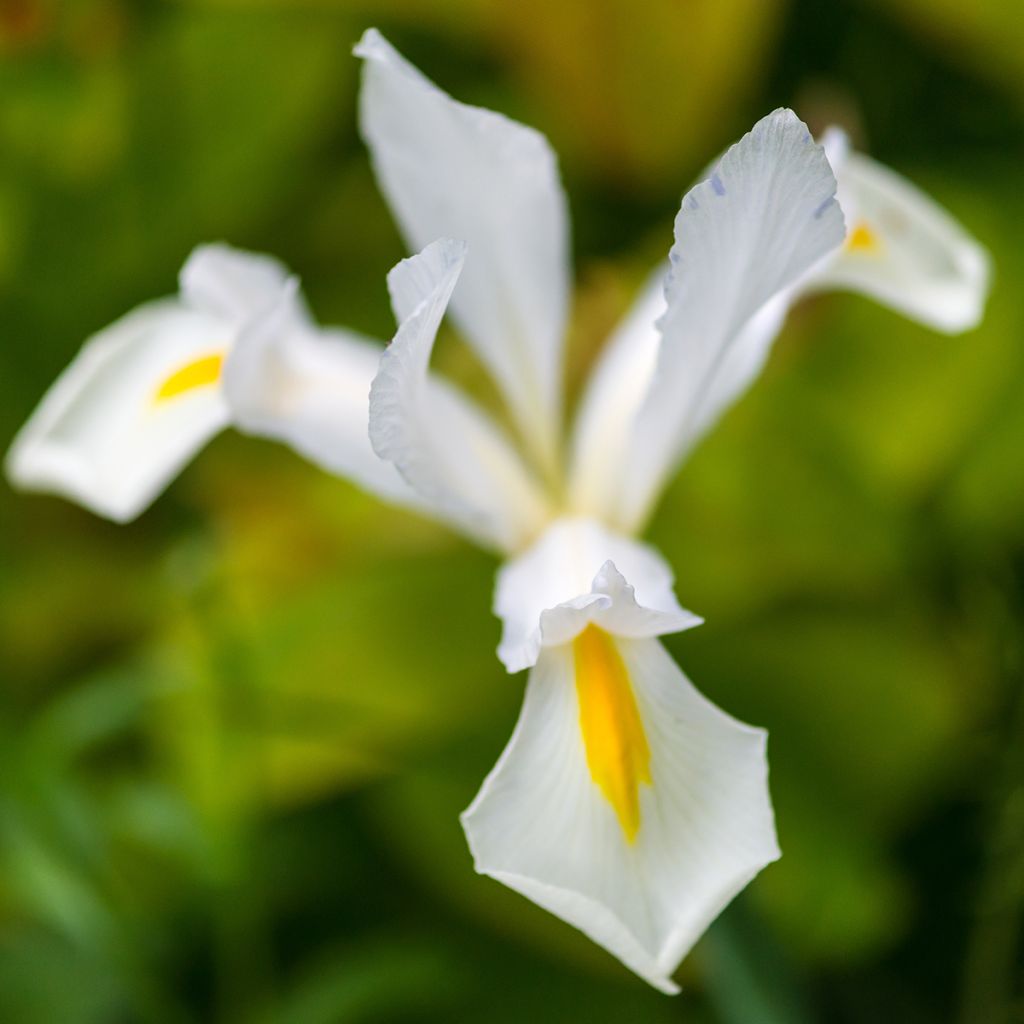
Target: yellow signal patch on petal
x=613 y=735
x=863 y=239
x=199 y=373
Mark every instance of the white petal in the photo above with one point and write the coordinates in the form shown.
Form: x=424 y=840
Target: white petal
x=103 y=435
x=903 y=249
x=613 y=394
x=541 y=825
x=310 y=388
x=748 y=233
x=742 y=363
x=232 y=283
x=448 y=169
x=620 y=381
x=836 y=144
x=612 y=605
x=566 y=568
x=448 y=450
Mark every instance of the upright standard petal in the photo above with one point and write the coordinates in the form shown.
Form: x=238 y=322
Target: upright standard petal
x=446 y=448
x=559 y=567
x=309 y=387
x=601 y=432
x=448 y=169
x=133 y=407
x=749 y=233
x=625 y=802
x=621 y=378
x=902 y=248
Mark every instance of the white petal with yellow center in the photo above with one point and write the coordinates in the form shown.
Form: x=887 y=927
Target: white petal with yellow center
x=902 y=248
x=145 y=394
x=133 y=407
x=625 y=802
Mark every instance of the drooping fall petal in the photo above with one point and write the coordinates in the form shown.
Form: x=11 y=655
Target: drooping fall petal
x=902 y=248
x=625 y=802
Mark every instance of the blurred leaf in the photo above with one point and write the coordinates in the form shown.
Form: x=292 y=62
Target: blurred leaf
x=987 y=34
x=375 y=981
x=746 y=973
x=637 y=95
x=292 y=684
x=43 y=980
x=870 y=702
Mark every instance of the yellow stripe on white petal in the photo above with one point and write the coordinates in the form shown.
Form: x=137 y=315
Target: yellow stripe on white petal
x=145 y=394
x=903 y=249
x=445 y=447
x=133 y=407
x=704 y=827
x=613 y=735
x=202 y=372
x=448 y=169
x=625 y=802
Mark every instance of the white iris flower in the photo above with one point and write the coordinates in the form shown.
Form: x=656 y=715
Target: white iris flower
x=625 y=802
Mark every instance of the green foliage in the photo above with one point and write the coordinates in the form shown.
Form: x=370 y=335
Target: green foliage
x=235 y=736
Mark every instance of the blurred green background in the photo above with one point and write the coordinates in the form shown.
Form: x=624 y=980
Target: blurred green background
x=235 y=735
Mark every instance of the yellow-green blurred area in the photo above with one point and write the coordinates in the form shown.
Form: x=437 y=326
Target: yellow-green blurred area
x=235 y=735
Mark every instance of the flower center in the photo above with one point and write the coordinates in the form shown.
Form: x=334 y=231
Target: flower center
x=613 y=735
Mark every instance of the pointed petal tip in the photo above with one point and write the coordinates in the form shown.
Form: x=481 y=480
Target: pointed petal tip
x=781 y=118
x=449 y=167
x=371 y=45
x=608 y=577
x=532 y=888
x=517 y=657
x=412 y=280
x=619 y=590
x=442 y=252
